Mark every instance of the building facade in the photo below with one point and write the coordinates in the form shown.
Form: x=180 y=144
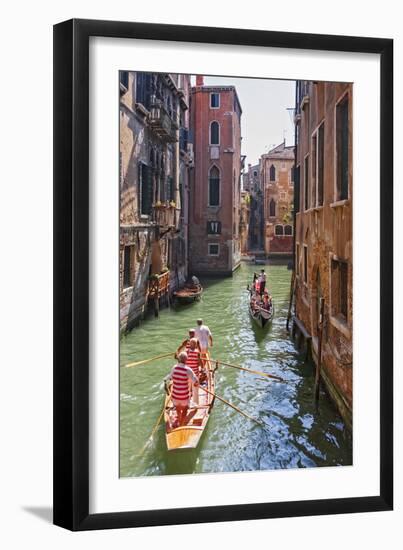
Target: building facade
x=244 y=221
x=215 y=198
x=277 y=174
x=155 y=161
x=253 y=184
x=323 y=229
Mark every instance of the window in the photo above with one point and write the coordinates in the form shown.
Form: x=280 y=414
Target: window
x=321 y=161
x=306 y=183
x=170 y=195
x=292 y=175
x=272 y=173
x=313 y=170
x=124 y=79
x=214 y=228
x=143 y=89
x=339 y=282
x=279 y=230
x=342 y=145
x=215 y=101
x=255 y=173
x=214 y=187
x=127 y=266
x=145 y=189
x=297 y=190
x=288 y=230
x=305 y=266
x=272 y=208
x=318 y=148
x=213 y=249
x=214 y=133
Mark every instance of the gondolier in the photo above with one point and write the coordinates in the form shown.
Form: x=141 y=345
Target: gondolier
x=194 y=362
x=262 y=282
x=181 y=375
x=203 y=334
x=184 y=346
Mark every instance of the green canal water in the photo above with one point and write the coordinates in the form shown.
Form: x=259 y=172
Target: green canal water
x=295 y=436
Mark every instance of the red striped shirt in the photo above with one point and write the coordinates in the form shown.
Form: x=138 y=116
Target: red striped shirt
x=180 y=382
x=193 y=360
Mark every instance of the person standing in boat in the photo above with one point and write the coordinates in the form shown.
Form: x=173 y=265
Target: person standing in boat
x=262 y=282
x=194 y=362
x=203 y=334
x=254 y=281
x=195 y=281
x=186 y=342
x=182 y=376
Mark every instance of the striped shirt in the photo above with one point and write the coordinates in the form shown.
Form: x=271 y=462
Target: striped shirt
x=180 y=375
x=193 y=360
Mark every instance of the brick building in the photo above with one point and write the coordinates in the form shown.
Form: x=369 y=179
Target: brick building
x=215 y=198
x=323 y=229
x=155 y=160
x=244 y=221
x=252 y=183
x=277 y=176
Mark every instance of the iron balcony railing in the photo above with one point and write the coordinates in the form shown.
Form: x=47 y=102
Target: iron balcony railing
x=164 y=123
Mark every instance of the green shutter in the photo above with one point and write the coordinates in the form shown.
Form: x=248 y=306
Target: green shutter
x=146 y=189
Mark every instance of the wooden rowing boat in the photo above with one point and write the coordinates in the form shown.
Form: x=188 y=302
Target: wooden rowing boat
x=188 y=294
x=189 y=435
x=262 y=317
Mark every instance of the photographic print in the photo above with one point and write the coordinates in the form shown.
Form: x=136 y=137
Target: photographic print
x=236 y=267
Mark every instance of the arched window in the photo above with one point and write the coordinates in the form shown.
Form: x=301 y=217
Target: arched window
x=272 y=208
x=272 y=173
x=214 y=187
x=279 y=231
x=288 y=230
x=214 y=133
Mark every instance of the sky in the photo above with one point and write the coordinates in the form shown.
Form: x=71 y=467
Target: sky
x=265 y=120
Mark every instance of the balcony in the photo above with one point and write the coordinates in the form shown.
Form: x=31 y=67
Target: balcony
x=166 y=216
x=164 y=124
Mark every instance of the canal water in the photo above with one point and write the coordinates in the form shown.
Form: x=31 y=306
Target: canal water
x=295 y=436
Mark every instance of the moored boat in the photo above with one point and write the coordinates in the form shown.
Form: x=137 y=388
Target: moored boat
x=188 y=435
x=188 y=294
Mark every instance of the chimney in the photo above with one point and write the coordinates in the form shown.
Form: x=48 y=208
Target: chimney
x=199 y=80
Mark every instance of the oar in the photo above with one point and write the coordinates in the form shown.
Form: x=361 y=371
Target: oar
x=250 y=370
x=246 y=415
x=144 y=361
x=154 y=429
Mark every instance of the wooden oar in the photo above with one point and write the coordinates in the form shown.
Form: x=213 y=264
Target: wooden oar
x=246 y=415
x=250 y=370
x=144 y=361
x=154 y=428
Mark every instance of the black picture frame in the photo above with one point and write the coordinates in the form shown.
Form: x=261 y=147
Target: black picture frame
x=71 y=273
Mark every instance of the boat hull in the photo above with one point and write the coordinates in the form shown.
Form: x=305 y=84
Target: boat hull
x=262 y=319
x=187 y=296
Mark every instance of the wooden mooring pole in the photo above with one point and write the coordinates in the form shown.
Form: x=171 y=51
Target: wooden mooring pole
x=291 y=299
x=319 y=361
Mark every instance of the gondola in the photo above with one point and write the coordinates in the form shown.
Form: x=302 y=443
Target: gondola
x=189 y=435
x=188 y=294
x=262 y=317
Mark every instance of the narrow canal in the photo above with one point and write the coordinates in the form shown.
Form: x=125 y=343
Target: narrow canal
x=296 y=435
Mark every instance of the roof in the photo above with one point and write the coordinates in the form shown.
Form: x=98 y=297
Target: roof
x=218 y=89
x=281 y=151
